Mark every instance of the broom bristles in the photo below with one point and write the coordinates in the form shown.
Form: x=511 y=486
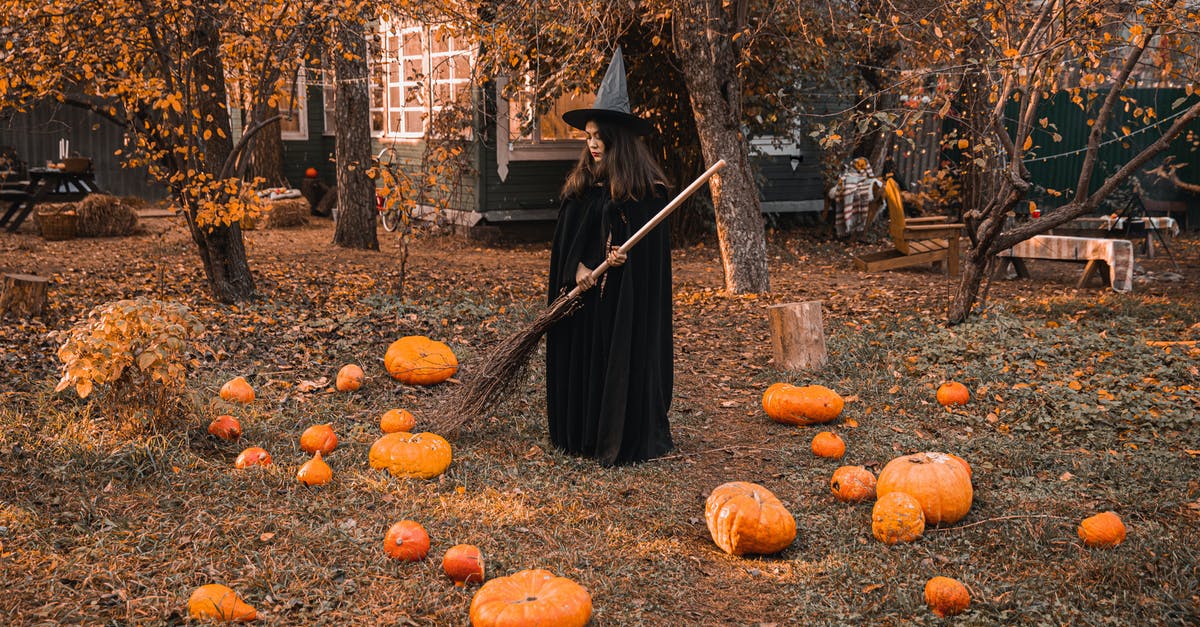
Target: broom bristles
x=501 y=370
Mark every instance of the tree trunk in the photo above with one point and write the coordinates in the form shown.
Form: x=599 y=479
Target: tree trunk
x=266 y=149
x=221 y=247
x=709 y=61
x=797 y=335
x=24 y=295
x=356 y=213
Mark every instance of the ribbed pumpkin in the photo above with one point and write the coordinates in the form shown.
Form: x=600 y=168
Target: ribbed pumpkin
x=940 y=483
x=421 y=455
x=225 y=427
x=349 y=378
x=828 y=444
x=253 y=456
x=896 y=518
x=531 y=597
x=745 y=517
x=946 y=596
x=953 y=393
x=810 y=404
x=852 y=483
x=406 y=541
x=394 y=420
x=318 y=438
x=418 y=360
x=236 y=390
x=463 y=564
x=315 y=471
x=217 y=602
x=1104 y=530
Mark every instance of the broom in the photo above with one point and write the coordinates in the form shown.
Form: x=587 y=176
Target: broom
x=501 y=369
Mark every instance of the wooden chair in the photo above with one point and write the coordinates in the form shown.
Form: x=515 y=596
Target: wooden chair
x=916 y=241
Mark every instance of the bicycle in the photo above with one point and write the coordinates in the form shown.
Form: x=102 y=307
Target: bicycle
x=388 y=203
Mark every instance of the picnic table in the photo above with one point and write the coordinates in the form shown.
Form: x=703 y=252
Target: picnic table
x=1116 y=255
x=45 y=185
x=1153 y=229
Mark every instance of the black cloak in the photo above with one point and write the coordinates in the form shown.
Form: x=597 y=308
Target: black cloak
x=610 y=365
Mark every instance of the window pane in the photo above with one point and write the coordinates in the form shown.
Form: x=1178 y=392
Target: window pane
x=551 y=125
x=414 y=122
x=412 y=43
x=441 y=41
x=462 y=66
x=412 y=69
x=394 y=72
x=377 y=122
x=397 y=121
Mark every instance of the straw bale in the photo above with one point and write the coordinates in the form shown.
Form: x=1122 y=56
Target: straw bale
x=286 y=212
x=105 y=215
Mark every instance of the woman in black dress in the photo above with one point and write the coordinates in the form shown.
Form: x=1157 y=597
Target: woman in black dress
x=609 y=366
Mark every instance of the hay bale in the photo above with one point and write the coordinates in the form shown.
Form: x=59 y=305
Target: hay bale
x=104 y=215
x=286 y=212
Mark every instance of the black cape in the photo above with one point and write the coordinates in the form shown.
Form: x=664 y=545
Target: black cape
x=610 y=365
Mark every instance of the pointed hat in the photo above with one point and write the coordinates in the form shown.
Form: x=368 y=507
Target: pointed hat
x=612 y=101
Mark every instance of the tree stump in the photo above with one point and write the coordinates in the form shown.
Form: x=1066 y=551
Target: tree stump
x=23 y=294
x=797 y=335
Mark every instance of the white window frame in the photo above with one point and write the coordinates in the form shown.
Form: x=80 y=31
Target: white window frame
x=300 y=113
x=405 y=85
x=329 y=101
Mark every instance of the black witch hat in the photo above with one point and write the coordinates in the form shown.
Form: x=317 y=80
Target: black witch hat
x=612 y=102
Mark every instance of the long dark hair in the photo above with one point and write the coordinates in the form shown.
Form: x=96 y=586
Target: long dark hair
x=628 y=168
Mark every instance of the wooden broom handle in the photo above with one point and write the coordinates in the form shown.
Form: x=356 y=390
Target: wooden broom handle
x=659 y=217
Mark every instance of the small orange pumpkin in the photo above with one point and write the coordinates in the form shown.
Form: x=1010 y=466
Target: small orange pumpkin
x=852 y=483
x=318 y=438
x=745 y=517
x=463 y=564
x=225 y=427
x=418 y=360
x=952 y=393
x=941 y=484
x=420 y=455
x=1104 y=530
x=217 y=602
x=828 y=444
x=253 y=456
x=946 y=596
x=349 y=378
x=811 y=404
x=896 y=518
x=531 y=597
x=315 y=471
x=394 y=420
x=236 y=390
x=310 y=173
x=406 y=541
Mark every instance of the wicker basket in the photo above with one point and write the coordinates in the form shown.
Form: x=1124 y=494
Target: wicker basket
x=57 y=226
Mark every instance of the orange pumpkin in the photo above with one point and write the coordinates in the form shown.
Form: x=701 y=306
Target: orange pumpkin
x=225 y=427
x=216 y=602
x=531 y=597
x=310 y=173
x=394 y=420
x=421 y=455
x=1104 y=530
x=953 y=393
x=970 y=473
x=946 y=596
x=852 y=483
x=236 y=390
x=828 y=444
x=941 y=484
x=318 y=438
x=315 y=471
x=896 y=518
x=406 y=541
x=349 y=378
x=746 y=518
x=253 y=456
x=418 y=360
x=811 y=404
x=463 y=564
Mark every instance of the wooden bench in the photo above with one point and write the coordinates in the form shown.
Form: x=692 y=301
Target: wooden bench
x=1113 y=255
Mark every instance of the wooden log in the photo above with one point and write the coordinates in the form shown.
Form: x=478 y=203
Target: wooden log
x=23 y=295
x=798 y=335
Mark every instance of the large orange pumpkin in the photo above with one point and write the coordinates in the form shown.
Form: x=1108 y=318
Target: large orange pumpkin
x=421 y=455
x=745 y=517
x=897 y=517
x=1103 y=530
x=946 y=596
x=852 y=483
x=531 y=597
x=940 y=483
x=418 y=360
x=810 y=404
x=216 y=602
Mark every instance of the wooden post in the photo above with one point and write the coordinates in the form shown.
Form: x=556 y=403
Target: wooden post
x=797 y=335
x=23 y=294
